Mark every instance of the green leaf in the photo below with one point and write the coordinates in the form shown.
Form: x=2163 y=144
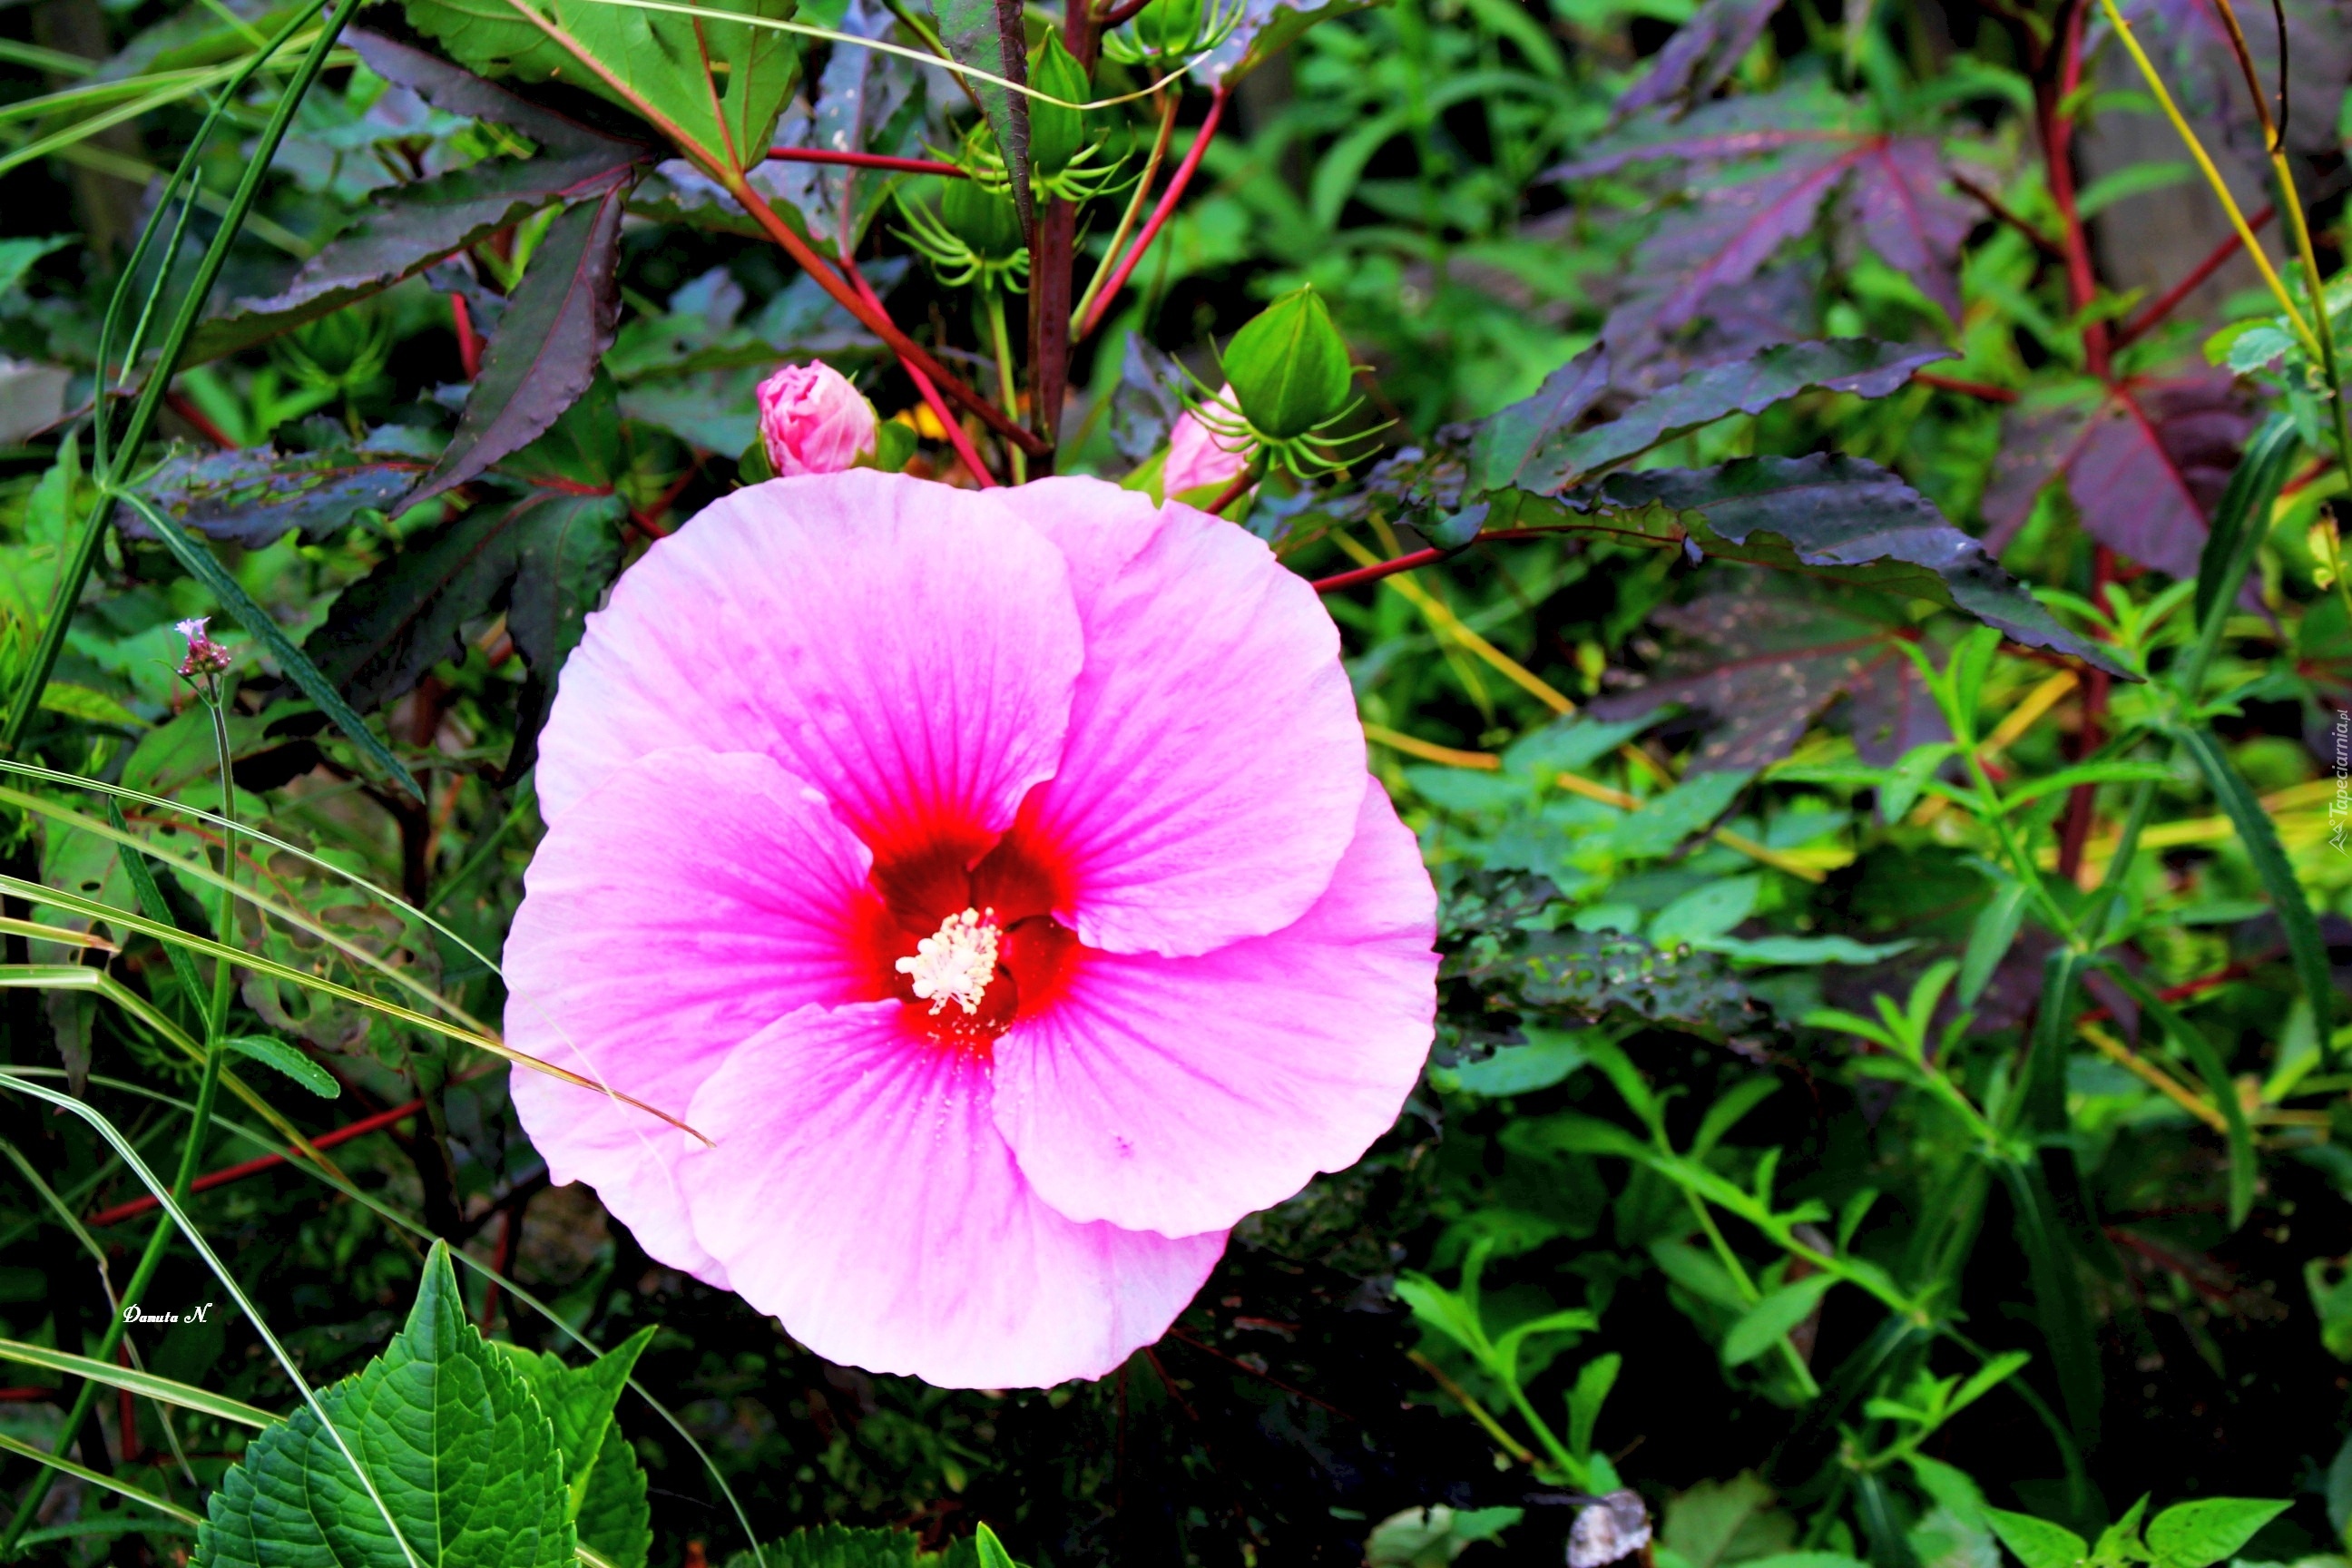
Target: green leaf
x=1593 y=1382
x=90 y=706
x=1726 y=1521
x=579 y=1400
x=2260 y=838
x=713 y=87
x=1762 y=1325
x=226 y=592
x=459 y=1449
x=837 y=1546
x=278 y=1054
x=614 y=1520
x=991 y=1550
x=990 y=35
x=1989 y=938
x=2037 y=1542
x=1705 y=911
x=2241 y=519
x=2192 y=1534
x=2243 y=1167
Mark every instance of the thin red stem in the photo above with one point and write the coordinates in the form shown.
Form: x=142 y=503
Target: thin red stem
x=2170 y=301
x=178 y=404
x=2058 y=142
x=1159 y=215
x=1120 y=14
x=469 y=341
x=1983 y=389
x=222 y=1177
x=2187 y=988
x=866 y=160
x=1376 y=571
x=1231 y=492
x=930 y=393
x=910 y=353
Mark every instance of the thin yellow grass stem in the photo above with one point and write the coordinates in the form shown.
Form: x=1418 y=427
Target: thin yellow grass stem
x=2188 y=135
x=2155 y=1076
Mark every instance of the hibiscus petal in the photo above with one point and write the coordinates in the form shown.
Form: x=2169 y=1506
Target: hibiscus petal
x=1215 y=758
x=921 y=678
x=860 y=1193
x=1178 y=1095
x=684 y=905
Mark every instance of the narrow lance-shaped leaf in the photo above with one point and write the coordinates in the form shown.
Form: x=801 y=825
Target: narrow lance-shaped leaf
x=990 y=35
x=200 y=563
x=557 y=325
x=2305 y=949
x=255 y=498
x=1704 y=51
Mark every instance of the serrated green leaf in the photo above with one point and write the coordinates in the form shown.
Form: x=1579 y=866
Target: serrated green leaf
x=579 y=1401
x=2192 y=1534
x=2037 y=1542
x=614 y=1520
x=459 y=1449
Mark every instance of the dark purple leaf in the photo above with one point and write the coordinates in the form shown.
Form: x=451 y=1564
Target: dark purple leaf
x=1763 y=654
x=411 y=229
x=2191 y=45
x=1779 y=305
x=1703 y=52
x=1148 y=401
x=255 y=498
x=557 y=325
x=1734 y=225
x=1266 y=28
x=2145 y=465
x=455 y=91
x=1898 y=201
x=1507 y=444
x=866 y=102
x=1726 y=128
x=1536 y=452
x=544 y=559
x=1842 y=518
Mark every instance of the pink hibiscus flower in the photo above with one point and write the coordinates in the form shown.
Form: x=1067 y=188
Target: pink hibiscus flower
x=994 y=878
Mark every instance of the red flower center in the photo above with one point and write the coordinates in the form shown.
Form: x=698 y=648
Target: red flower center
x=963 y=935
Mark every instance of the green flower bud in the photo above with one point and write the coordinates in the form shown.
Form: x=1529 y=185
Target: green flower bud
x=1056 y=135
x=984 y=220
x=1168 y=26
x=1289 y=368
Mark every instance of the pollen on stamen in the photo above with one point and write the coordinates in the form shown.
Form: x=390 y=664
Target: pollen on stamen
x=956 y=964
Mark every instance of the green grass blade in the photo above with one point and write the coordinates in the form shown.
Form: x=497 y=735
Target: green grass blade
x=91 y=1478
x=2308 y=952
x=2199 y=1050
x=162 y=1389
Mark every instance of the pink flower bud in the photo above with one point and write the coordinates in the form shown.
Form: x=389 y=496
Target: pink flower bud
x=1197 y=455
x=813 y=421
x=205 y=656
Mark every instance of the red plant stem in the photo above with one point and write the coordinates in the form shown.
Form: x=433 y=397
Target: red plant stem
x=650 y=518
x=178 y=404
x=2082 y=801
x=910 y=353
x=866 y=160
x=1159 y=213
x=1985 y=390
x=469 y=341
x=930 y=393
x=2187 y=988
x=2058 y=142
x=1120 y=14
x=226 y=1174
x=1231 y=492
x=2308 y=477
x=500 y=1261
x=2002 y=210
x=26 y=1395
x=1376 y=571
x=2170 y=300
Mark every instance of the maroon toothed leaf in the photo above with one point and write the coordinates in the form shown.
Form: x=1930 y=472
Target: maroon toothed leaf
x=1704 y=51
x=2144 y=465
x=557 y=325
x=1734 y=225
x=1762 y=656
x=2191 y=44
x=1729 y=128
x=453 y=89
x=256 y=497
x=1899 y=202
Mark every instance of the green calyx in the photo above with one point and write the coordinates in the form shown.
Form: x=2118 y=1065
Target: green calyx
x=1057 y=136
x=1289 y=368
x=1168 y=26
